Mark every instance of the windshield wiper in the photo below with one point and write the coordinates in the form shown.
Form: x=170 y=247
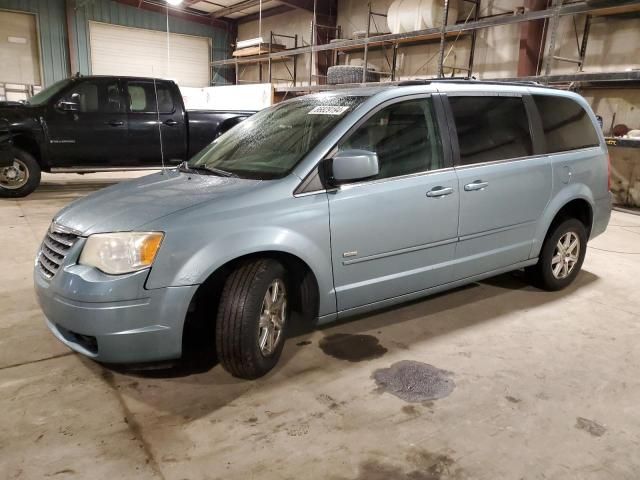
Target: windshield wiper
x=185 y=167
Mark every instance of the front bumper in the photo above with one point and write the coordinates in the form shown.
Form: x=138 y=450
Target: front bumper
x=113 y=319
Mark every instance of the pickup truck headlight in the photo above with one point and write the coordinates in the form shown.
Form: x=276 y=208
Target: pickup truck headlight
x=121 y=252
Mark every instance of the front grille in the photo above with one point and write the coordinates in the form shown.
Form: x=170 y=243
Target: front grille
x=54 y=249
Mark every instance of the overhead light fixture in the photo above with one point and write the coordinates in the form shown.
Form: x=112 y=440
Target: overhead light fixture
x=175 y=3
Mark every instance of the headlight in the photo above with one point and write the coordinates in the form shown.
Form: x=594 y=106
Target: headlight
x=122 y=252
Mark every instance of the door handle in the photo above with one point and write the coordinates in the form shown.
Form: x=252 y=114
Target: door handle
x=477 y=185
x=439 y=192
x=114 y=123
x=171 y=122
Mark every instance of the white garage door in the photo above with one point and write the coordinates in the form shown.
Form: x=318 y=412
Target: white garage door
x=117 y=50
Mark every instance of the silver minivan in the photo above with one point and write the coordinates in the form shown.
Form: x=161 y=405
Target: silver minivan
x=327 y=205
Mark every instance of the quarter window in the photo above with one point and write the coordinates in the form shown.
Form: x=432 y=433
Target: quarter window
x=566 y=124
x=491 y=128
x=404 y=136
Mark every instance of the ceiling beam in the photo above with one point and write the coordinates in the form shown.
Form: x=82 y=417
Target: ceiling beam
x=267 y=13
x=235 y=8
x=184 y=13
x=322 y=6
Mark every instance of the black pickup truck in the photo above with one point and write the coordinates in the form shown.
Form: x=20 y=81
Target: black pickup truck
x=101 y=123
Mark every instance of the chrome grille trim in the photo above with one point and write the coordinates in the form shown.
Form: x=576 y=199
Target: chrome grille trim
x=55 y=246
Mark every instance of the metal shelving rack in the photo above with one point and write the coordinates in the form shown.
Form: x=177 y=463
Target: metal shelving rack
x=269 y=59
x=558 y=9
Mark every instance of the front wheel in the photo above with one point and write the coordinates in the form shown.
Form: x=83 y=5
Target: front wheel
x=21 y=177
x=252 y=318
x=561 y=256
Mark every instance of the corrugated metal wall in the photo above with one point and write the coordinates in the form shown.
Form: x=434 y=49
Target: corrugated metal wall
x=107 y=11
x=53 y=34
x=53 y=30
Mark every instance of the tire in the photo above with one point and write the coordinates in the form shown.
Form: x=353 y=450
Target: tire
x=24 y=164
x=239 y=329
x=556 y=270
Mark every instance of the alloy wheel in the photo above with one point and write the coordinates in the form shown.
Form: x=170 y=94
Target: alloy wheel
x=272 y=317
x=566 y=255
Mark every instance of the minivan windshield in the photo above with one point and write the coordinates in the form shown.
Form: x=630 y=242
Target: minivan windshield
x=270 y=144
x=43 y=97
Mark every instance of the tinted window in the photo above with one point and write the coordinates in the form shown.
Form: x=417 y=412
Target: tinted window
x=491 y=128
x=86 y=94
x=565 y=123
x=142 y=97
x=404 y=136
x=96 y=96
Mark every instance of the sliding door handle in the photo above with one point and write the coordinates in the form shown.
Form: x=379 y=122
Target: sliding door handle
x=477 y=185
x=171 y=122
x=114 y=123
x=439 y=192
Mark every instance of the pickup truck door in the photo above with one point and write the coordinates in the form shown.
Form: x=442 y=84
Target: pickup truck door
x=94 y=133
x=144 y=134
x=396 y=234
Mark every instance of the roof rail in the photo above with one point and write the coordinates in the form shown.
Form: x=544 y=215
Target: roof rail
x=428 y=81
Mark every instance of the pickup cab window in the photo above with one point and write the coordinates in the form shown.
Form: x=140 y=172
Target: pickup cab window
x=99 y=95
x=142 y=97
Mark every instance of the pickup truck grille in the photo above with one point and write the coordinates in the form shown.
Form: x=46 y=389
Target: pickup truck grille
x=54 y=249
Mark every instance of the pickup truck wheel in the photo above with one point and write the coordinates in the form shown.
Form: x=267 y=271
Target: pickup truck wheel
x=561 y=256
x=252 y=318
x=21 y=177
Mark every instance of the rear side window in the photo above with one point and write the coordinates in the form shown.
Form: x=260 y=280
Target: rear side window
x=491 y=128
x=142 y=97
x=566 y=124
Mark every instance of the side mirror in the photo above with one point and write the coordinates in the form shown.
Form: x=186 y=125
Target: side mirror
x=352 y=165
x=72 y=105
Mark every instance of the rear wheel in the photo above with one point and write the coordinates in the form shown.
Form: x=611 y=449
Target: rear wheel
x=252 y=318
x=561 y=256
x=21 y=177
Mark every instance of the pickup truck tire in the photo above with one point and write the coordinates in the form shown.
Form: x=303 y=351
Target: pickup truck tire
x=561 y=256
x=23 y=165
x=252 y=318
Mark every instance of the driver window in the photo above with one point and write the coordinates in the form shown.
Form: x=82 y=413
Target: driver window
x=96 y=96
x=405 y=137
x=86 y=95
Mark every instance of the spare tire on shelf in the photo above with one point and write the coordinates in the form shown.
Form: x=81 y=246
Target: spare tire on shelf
x=340 y=74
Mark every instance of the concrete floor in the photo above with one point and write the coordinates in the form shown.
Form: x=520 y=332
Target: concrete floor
x=546 y=384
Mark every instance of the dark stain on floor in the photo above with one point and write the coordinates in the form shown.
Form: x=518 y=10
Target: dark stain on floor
x=414 y=381
x=303 y=343
x=421 y=465
x=593 y=428
x=410 y=410
x=513 y=399
x=353 y=348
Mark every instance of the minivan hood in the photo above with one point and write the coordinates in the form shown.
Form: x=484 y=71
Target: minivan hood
x=131 y=204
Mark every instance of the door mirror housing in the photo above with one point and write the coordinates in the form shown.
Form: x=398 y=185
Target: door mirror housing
x=353 y=165
x=70 y=105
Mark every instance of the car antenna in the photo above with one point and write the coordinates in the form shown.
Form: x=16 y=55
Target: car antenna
x=155 y=91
